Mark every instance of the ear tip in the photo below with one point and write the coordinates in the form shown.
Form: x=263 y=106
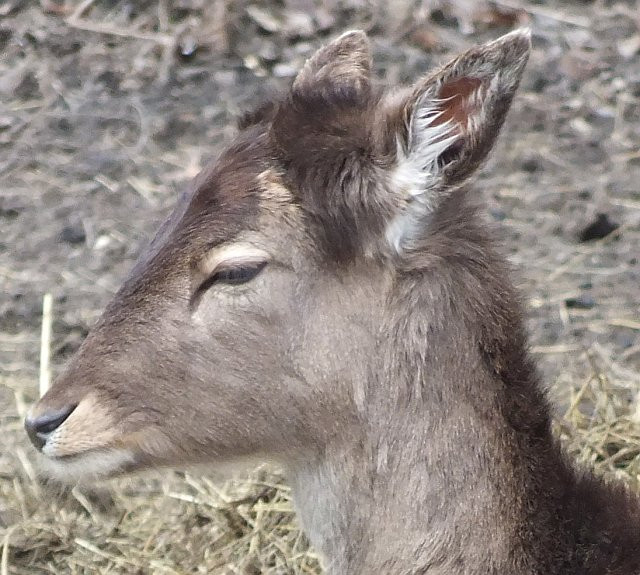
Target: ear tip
x=345 y=62
x=518 y=41
x=509 y=52
x=358 y=39
x=355 y=33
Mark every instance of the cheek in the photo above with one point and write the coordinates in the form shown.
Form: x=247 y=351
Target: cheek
x=220 y=310
x=249 y=328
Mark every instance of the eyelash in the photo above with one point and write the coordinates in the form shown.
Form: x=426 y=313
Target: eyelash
x=231 y=276
x=238 y=275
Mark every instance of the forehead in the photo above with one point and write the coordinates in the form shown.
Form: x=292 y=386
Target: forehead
x=225 y=198
x=223 y=201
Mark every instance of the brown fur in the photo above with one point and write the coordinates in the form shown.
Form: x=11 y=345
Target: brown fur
x=380 y=356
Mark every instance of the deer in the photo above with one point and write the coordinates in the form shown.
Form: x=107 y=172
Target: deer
x=327 y=295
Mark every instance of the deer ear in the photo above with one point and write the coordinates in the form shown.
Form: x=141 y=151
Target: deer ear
x=342 y=68
x=449 y=122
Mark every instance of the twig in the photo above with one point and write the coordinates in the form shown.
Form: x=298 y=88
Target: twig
x=622 y=322
x=4 y=564
x=578 y=398
x=105 y=554
x=546 y=13
x=45 y=343
x=581 y=255
x=75 y=21
x=163 y=39
x=80 y=9
x=551 y=349
x=632 y=204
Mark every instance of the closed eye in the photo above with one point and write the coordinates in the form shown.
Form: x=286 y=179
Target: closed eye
x=237 y=274
x=227 y=266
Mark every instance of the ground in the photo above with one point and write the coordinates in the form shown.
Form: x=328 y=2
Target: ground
x=107 y=109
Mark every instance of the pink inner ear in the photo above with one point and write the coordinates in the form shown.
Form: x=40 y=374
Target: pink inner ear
x=459 y=102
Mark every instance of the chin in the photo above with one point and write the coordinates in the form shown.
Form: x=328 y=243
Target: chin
x=90 y=465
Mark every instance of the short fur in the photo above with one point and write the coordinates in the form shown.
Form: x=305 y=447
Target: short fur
x=380 y=355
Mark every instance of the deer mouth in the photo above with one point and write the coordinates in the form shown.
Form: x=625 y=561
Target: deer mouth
x=71 y=458
x=89 y=465
x=85 y=440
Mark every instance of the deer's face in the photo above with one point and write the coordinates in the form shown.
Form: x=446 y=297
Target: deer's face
x=249 y=325
x=216 y=345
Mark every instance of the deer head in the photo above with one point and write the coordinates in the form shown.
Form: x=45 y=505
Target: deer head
x=254 y=323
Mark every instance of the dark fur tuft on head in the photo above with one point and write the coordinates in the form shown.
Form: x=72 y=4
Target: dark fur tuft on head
x=263 y=113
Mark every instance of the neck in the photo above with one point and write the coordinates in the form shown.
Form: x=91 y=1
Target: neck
x=451 y=466
x=389 y=506
x=463 y=494
x=421 y=493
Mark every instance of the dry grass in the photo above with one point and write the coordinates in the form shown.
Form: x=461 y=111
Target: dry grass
x=600 y=427
x=175 y=523
x=78 y=151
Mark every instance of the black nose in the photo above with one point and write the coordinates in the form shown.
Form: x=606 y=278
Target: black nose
x=42 y=426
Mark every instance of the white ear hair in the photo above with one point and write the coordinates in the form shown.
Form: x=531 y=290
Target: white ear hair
x=417 y=166
x=451 y=121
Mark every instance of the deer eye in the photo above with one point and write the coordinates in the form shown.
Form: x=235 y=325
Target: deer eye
x=227 y=266
x=237 y=275
x=232 y=276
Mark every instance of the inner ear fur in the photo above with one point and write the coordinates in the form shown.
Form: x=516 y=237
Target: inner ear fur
x=444 y=127
x=471 y=96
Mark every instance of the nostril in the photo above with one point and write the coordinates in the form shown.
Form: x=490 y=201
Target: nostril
x=48 y=422
x=40 y=427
